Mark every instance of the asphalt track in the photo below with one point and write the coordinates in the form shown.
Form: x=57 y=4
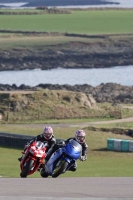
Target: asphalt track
x=89 y=188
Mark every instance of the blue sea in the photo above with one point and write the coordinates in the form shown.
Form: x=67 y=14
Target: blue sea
x=121 y=75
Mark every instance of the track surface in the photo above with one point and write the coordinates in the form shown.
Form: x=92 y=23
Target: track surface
x=66 y=188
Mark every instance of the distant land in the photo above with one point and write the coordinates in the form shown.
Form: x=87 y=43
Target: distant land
x=35 y=3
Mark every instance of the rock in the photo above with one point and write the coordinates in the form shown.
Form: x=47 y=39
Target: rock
x=96 y=54
x=110 y=92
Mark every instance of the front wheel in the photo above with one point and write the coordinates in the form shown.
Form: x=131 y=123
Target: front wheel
x=43 y=173
x=61 y=168
x=27 y=168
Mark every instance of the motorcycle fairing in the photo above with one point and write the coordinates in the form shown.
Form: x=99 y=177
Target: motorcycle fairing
x=71 y=151
x=50 y=164
x=35 y=152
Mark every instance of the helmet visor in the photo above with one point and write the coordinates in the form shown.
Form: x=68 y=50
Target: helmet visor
x=47 y=135
x=81 y=138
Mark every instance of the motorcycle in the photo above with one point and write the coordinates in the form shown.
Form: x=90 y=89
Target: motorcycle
x=62 y=159
x=32 y=158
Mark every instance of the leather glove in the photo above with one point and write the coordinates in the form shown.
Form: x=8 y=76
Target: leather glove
x=26 y=146
x=83 y=158
x=28 y=143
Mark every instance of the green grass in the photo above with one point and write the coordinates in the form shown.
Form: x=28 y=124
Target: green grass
x=83 y=22
x=58 y=121
x=124 y=125
x=21 y=42
x=100 y=162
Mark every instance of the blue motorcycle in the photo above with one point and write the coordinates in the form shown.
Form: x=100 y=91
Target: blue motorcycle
x=62 y=159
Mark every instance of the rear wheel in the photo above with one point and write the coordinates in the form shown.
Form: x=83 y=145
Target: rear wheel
x=27 y=168
x=43 y=173
x=60 y=169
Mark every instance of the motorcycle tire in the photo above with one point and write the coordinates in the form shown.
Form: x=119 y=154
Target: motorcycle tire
x=43 y=173
x=60 y=169
x=27 y=168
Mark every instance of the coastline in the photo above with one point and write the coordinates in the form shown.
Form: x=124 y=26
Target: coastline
x=105 y=51
x=68 y=4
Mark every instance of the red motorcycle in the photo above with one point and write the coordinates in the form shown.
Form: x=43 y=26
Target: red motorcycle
x=32 y=158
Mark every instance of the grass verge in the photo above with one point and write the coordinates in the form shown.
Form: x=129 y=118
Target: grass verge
x=83 y=22
x=100 y=162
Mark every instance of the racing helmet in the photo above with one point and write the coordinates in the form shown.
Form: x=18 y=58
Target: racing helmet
x=80 y=136
x=47 y=132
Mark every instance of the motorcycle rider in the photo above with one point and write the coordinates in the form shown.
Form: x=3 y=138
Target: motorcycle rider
x=46 y=136
x=80 y=138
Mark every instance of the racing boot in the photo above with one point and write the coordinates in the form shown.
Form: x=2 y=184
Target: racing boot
x=19 y=159
x=73 y=167
x=41 y=166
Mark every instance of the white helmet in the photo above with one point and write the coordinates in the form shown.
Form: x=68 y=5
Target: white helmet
x=47 y=132
x=80 y=136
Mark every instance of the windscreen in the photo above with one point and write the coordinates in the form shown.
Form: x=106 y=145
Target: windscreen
x=40 y=144
x=76 y=145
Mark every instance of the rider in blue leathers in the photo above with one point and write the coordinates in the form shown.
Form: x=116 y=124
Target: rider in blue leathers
x=80 y=138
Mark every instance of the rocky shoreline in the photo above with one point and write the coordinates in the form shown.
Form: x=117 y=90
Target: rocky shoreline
x=109 y=92
x=98 y=52
x=64 y=59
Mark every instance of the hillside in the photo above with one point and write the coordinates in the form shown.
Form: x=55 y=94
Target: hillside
x=104 y=93
x=45 y=104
